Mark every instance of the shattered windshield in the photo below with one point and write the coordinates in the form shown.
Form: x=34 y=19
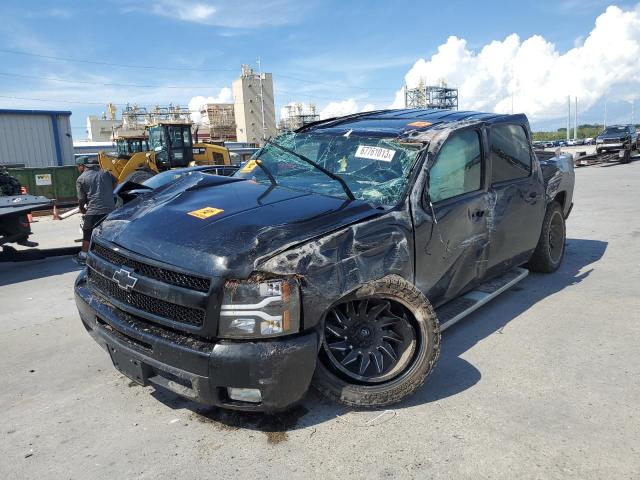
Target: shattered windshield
x=614 y=130
x=376 y=170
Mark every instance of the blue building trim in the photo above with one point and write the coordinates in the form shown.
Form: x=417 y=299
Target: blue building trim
x=34 y=112
x=56 y=137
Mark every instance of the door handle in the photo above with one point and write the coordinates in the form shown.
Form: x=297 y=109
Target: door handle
x=477 y=215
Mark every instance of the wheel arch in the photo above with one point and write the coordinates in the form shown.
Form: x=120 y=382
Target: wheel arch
x=561 y=198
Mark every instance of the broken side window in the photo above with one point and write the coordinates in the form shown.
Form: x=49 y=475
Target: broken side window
x=510 y=154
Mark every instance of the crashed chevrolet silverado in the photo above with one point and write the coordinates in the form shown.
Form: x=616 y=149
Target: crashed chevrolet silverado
x=333 y=258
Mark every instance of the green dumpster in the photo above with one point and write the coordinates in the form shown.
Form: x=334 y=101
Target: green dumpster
x=58 y=183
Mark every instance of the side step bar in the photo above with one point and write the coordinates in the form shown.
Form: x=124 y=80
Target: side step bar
x=455 y=310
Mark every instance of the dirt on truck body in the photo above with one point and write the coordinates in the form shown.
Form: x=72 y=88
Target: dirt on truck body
x=333 y=257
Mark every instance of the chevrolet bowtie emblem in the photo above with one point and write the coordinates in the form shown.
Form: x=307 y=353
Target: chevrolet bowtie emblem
x=124 y=279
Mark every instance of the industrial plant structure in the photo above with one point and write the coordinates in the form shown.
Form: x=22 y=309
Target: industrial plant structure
x=254 y=106
x=429 y=96
x=218 y=121
x=297 y=117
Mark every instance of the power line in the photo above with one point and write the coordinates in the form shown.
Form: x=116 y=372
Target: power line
x=333 y=85
x=109 y=64
x=183 y=87
x=155 y=67
x=107 y=84
x=71 y=102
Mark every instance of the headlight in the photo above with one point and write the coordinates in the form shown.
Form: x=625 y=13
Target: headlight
x=259 y=309
x=599 y=140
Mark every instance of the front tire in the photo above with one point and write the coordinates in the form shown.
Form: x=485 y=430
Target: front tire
x=626 y=156
x=379 y=345
x=549 y=252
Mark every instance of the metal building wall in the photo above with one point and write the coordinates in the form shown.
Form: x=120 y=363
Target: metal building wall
x=34 y=140
x=66 y=140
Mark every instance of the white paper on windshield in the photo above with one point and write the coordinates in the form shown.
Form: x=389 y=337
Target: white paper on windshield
x=375 y=153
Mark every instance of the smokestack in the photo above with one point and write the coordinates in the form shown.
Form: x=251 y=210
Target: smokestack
x=575 y=123
x=568 y=116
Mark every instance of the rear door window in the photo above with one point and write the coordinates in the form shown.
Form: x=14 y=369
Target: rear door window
x=510 y=153
x=458 y=167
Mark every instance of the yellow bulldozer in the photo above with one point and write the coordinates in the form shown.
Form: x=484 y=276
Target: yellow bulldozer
x=164 y=144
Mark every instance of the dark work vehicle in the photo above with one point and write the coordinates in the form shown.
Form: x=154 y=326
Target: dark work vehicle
x=333 y=258
x=616 y=138
x=14 y=208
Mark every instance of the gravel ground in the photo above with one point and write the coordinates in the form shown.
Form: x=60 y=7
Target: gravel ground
x=543 y=382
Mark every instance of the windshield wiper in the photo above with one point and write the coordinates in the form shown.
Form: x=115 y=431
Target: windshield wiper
x=328 y=173
x=267 y=172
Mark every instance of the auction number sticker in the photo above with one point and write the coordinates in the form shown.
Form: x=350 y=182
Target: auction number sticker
x=206 y=212
x=375 y=153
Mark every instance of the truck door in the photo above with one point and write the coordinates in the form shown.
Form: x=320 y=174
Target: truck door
x=450 y=251
x=516 y=197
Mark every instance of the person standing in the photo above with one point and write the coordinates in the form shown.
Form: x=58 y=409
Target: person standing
x=95 y=198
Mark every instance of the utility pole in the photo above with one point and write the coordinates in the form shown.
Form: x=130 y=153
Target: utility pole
x=568 y=116
x=264 y=128
x=575 y=124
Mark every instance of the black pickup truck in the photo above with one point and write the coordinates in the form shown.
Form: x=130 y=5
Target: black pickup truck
x=334 y=257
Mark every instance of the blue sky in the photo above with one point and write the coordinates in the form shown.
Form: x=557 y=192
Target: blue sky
x=327 y=52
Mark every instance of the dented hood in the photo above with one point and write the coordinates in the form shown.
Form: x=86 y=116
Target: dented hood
x=222 y=226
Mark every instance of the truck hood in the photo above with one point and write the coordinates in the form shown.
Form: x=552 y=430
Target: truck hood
x=226 y=227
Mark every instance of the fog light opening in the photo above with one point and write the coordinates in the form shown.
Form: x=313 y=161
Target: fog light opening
x=251 y=395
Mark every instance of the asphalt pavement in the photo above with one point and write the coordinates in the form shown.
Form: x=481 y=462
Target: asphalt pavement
x=543 y=382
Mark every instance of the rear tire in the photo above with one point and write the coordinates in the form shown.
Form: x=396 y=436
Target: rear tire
x=390 y=376
x=549 y=253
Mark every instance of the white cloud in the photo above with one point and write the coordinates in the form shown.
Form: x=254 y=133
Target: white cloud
x=224 y=96
x=247 y=14
x=185 y=10
x=344 y=107
x=537 y=75
x=59 y=13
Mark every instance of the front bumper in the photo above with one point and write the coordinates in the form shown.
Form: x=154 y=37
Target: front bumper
x=612 y=146
x=198 y=369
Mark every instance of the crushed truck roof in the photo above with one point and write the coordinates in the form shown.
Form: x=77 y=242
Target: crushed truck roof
x=402 y=121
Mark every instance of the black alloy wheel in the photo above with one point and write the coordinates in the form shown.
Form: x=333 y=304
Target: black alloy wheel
x=369 y=340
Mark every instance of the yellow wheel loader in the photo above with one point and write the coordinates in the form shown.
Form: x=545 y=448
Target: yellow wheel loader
x=169 y=144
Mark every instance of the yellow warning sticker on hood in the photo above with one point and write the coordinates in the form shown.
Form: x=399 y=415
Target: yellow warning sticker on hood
x=206 y=212
x=250 y=166
x=419 y=124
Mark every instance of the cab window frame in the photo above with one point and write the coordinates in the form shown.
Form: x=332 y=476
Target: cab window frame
x=525 y=131
x=426 y=194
